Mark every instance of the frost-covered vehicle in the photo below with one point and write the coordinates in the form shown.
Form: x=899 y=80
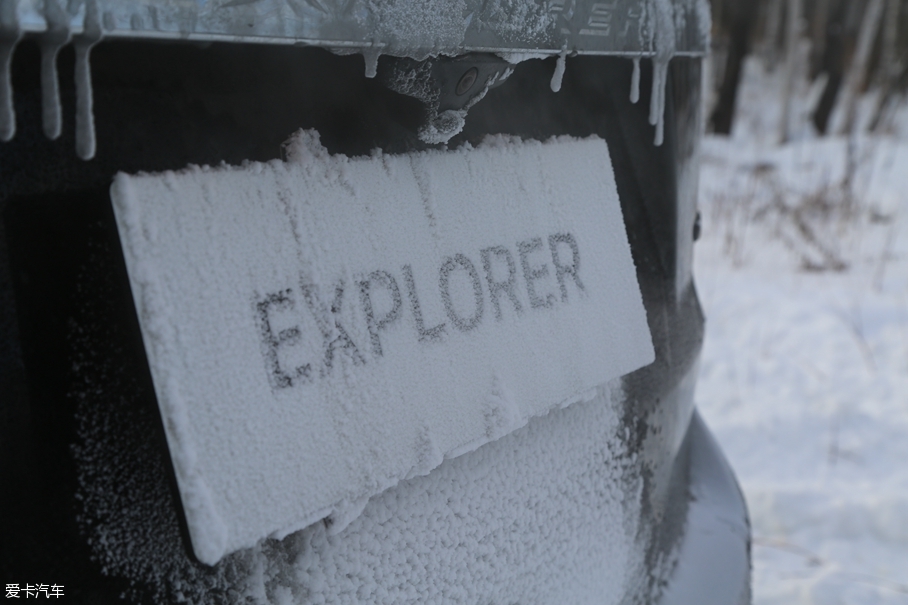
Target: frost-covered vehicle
x=314 y=301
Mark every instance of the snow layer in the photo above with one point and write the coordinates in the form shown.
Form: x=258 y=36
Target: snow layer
x=419 y=28
x=320 y=329
x=487 y=527
x=805 y=366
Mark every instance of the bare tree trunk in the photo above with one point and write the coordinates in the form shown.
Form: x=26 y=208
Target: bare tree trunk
x=841 y=39
x=889 y=64
x=857 y=71
x=792 y=27
x=890 y=68
x=818 y=36
x=742 y=16
x=771 y=33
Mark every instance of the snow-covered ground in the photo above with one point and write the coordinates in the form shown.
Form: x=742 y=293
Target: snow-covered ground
x=804 y=379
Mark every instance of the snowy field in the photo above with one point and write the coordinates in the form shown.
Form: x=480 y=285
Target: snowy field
x=802 y=269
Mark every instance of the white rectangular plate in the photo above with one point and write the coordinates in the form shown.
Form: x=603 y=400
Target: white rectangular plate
x=321 y=328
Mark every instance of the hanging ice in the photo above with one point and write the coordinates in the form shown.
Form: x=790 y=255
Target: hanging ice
x=10 y=33
x=85 y=120
x=635 y=81
x=370 y=55
x=652 y=30
x=56 y=36
x=662 y=18
x=657 y=99
x=559 y=71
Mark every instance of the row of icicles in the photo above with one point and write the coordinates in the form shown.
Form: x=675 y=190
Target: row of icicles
x=51 y=41
x=58 y=35
x=657 y=98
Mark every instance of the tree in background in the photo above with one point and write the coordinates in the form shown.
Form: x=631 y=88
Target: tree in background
x=857 y=79
x=792 y=37
x=733 y=25
x=891 y=63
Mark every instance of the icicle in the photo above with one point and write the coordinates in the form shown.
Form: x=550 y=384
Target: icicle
x=657 y=99
x=9 y=36
x=635 y=81
x=663 y=21
x=85 y=119
x=370 y=55
x=52 y=40
x=559 y=71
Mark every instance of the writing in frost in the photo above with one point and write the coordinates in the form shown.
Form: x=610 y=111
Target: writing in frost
x=536 y=274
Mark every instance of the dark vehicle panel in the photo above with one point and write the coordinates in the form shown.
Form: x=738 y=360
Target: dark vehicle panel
x=82 y=445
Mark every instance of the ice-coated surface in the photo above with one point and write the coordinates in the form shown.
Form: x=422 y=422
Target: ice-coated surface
x=515 y=29
x=320 y=329
x=414 y=28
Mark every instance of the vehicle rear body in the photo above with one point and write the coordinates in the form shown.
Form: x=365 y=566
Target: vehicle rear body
x=624 y=498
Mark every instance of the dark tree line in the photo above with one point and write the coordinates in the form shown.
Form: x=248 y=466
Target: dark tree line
x=854 y=44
